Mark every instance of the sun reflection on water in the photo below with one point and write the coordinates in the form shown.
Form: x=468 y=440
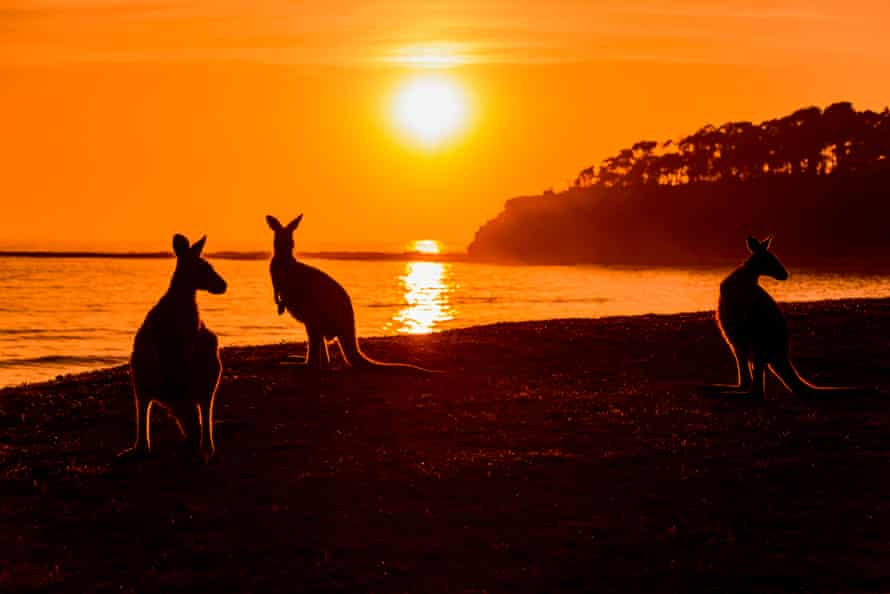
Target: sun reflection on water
x=427 y=286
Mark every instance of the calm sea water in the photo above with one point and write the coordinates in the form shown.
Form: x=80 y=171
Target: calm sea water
x=67 y=315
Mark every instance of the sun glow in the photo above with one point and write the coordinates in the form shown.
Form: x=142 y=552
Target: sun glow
x=426 y=246
x=430 y=108
x=442 y=55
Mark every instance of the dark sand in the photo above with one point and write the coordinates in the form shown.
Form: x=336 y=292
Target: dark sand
x=554 y=456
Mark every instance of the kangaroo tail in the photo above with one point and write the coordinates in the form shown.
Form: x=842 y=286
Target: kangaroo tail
x=357 y=358
x=786 y=372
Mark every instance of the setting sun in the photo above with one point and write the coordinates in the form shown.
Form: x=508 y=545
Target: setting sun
x=430 y=108
x=426 y=246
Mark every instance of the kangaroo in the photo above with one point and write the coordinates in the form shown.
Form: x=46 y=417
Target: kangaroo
x=755 y=329
x=175 y=359
x=319 y=302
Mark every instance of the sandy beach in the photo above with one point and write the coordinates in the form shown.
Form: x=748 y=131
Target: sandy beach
x=567 y=455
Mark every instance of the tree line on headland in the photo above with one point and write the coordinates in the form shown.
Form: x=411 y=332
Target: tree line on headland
x=818 y=179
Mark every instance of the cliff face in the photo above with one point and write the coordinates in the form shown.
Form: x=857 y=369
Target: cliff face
x=837 y=219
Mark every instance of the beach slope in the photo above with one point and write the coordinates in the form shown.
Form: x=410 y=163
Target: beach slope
x=551 y=456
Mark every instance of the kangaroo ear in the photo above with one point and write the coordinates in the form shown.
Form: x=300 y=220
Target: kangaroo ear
x=294 y=224
x=180 y=245
x=753 y=245
x=765 y=243
x=198 y=246
x=273 y=223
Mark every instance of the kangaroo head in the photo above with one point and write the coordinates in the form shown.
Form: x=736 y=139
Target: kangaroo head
x=193 y=271
x=763 y=262
x=284 y=235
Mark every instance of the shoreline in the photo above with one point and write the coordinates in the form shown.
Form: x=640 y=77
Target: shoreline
x=853 y=302
x=558 y=455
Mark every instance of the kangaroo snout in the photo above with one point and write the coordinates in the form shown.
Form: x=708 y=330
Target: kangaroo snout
x=218 y=288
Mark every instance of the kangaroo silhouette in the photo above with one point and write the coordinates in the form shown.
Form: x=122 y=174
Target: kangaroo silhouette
x=175 y=360
x=319 y=302
x=755 y=329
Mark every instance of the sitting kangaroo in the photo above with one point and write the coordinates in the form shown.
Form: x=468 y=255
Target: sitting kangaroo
x=754 y=327
x=319 y=302
x=175 y=359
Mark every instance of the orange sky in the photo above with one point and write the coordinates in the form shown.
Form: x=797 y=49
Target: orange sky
x=123 y=122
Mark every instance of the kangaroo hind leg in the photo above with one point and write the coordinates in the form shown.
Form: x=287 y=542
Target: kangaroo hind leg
x=337 y=347
x=743 y=373
x=189 y=418
x=758 y=372
x=784 y=369
x=317 y=357
x=142 y=442
x=143 y=425
x=206 y=395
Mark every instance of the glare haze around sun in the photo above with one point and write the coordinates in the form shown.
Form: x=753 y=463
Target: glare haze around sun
x=430 y=108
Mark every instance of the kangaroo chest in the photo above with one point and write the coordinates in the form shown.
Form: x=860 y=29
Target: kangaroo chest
x=308 y=293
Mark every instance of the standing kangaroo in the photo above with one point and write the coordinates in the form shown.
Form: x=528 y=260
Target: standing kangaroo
x=175 y=359
x=319 y=302
x=754 y=327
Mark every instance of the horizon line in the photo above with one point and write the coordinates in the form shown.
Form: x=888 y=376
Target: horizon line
x=236 y=255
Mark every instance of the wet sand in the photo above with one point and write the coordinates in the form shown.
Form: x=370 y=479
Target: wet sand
x=569 y=455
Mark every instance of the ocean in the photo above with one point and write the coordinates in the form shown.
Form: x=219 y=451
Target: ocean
x=67 y=315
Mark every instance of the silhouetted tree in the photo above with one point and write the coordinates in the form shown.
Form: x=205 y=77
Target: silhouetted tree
x=808 y=142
